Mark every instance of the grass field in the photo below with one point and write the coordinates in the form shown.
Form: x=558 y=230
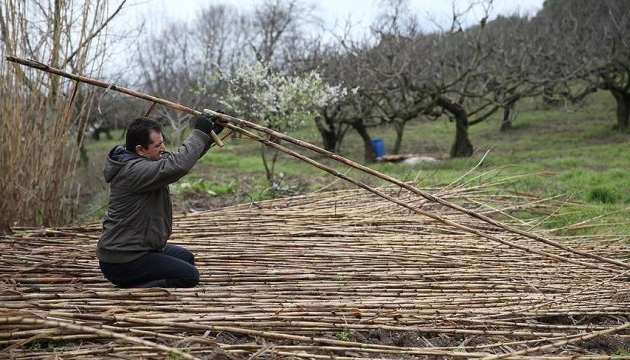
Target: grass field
x=571 y=154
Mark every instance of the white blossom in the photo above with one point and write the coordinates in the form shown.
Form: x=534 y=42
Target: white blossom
x=276 y=100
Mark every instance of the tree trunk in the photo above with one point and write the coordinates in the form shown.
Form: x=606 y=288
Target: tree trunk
x=329 y=136
x=343 y=129
x=329 y=140
x=462 y=147
x=270 y=164
x=507 y=120
x=268 y=170
x=549 y=101
x=400 y=128
x=369 y=155
x=623 y=109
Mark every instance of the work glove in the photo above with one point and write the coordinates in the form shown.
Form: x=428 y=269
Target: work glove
x=207 y=122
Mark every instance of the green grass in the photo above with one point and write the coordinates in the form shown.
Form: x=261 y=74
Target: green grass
x=573 y=154
x=243 y=160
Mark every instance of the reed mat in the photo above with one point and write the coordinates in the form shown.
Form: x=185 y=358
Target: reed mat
x=330 y=275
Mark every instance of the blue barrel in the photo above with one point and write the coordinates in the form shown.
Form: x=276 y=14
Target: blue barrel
x=379 y=147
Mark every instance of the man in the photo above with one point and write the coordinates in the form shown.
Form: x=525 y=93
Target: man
x=132 y=248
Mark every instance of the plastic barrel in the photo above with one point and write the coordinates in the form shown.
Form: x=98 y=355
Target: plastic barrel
x=379 y=147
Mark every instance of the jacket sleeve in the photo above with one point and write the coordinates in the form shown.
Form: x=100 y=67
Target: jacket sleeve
x=148 y=175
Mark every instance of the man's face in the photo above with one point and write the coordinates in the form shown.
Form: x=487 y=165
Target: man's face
x=156 y=147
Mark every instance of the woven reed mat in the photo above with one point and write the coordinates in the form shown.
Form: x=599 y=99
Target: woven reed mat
x=339 y=275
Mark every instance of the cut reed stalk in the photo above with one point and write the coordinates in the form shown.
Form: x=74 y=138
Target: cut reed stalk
x=294 y=271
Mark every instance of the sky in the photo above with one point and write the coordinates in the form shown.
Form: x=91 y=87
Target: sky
x=360 y=13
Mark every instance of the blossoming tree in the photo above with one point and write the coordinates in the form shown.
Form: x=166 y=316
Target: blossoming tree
x=278 y=101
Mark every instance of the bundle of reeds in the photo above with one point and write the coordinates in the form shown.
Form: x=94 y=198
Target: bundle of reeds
x=344 y=274
x=43 y=118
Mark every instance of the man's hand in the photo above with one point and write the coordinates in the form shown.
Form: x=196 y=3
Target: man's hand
x=206 y=123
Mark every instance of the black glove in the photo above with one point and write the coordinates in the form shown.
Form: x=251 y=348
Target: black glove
x=217 y=125
x=207 y=122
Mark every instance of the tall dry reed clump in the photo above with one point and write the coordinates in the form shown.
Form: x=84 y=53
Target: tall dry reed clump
x=42 y=116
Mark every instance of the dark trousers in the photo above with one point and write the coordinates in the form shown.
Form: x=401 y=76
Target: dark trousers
x=174 y=267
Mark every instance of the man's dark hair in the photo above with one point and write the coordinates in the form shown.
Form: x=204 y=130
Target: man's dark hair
x=139 y=132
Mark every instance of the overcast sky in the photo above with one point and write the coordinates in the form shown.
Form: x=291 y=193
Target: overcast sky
x=361 y=13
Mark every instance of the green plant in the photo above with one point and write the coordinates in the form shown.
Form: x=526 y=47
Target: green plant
x=48 y=345
x=343 y=335
x=199 y=185
x=603 y=195
x=174 y=356
x=35 y=346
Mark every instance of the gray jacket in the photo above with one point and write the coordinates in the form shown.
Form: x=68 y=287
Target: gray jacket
x=139 y=217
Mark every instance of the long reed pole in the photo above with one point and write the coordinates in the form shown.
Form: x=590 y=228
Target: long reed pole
x=243 y=123
x=110 y=86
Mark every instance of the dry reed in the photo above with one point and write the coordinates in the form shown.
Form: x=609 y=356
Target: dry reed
x=345 y=274
x=42 y=118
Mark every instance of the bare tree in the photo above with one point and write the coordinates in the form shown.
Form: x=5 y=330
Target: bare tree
x=275 y=30
x=182 y=61
x=409 y=75
x=386 y=75
x=338 y=65
x=396 y=64
x=588 y=41
x=170 y=66
x=482 y=69
x=346 y=65
x=511 y=71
